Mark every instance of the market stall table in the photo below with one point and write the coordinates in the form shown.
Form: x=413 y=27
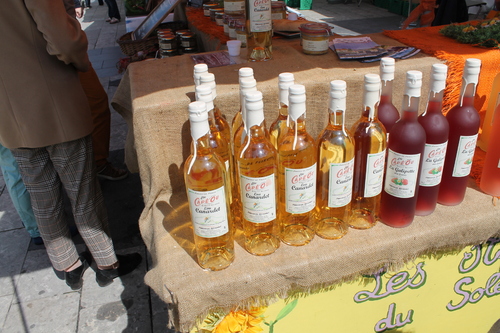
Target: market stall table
x=153 y=97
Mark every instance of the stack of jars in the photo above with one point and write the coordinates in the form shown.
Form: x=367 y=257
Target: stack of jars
x=174 y=43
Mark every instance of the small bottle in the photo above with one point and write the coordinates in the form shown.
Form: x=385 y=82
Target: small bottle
x=335 y=169
x=207 y=190
x=484 y=138
x=297 y=175
x=436 y=132
x=243 y=72
x=387 y=112
x=280 y=125
x=258 y=172
x=220 y=121
x=369 y=159
x=259 y=30
x=464 y=127
x=490 y=177
x=405 y=151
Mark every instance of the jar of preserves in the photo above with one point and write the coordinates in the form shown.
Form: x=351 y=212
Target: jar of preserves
x=225 y=21
x=188 y=41
x=219 y=18
x=213 y=11
x=315 y=37
x=278 y=10
x=207 y=6
x=167 y=42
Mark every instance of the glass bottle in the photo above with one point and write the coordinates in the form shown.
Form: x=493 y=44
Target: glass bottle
x=246 y=85
x=297 y=175
x=243 y=72
x=369 y=158
x=436 y=132
x=206 y=188
x=234 y=7
x=484 y=138
x=220 y=122
x=258 y=172
x=464 y=127
x=387 y=112
x=404 y=158
x=198 y=70
x=335 y=169
x=259 y=30
x=490 y=177
x=280 y=125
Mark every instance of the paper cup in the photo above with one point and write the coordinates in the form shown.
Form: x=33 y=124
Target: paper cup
x=233 y=47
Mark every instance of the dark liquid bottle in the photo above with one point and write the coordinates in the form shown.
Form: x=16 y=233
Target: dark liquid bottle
x=436 y=130
x=405 y=151
x=490 y=178
x=387 y=112
x=464 y=127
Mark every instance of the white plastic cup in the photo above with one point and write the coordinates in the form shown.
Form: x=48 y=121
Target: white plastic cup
x=233 y=47
x=292 y=17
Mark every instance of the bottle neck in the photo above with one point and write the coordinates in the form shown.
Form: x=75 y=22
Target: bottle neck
x=410 y=107
x=435 y=102
x=336 y=118
x=386 y=93
x=467 y=94
x=283 y=109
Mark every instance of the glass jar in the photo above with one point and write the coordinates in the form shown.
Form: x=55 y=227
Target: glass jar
x=167 y=53
x=207 y=6
x=232 y=27
x=219 y=18
x=167 y=42
x=188 y=41
x=225 y=21
x=315 y=37
x=213 y=11
x=278 y=10
x=241 y=32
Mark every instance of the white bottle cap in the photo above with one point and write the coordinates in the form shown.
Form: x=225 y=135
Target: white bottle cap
x=245 y=72
x=198 y=70
x=285 y=80
x=254 y=108
x=338 y=93
x=413 y=83
x=438 y=78
x=371 y=96
x=471 y=71
x=297 y=101
x=209 y=78
x=198 y=118
x=387 y=68
x=204 y=94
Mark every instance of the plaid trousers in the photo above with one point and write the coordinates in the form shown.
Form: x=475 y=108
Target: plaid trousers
x=69 y=165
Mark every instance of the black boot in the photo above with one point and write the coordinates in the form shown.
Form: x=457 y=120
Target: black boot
x=127 y=264
x=74 y=278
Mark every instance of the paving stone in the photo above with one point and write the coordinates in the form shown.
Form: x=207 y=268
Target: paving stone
x=4 y=308
x=13 y=247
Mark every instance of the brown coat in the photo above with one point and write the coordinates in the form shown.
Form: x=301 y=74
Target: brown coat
x=41 y=99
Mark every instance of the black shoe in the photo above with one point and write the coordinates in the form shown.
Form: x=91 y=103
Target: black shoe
x=74 y=278
x=127 y=262
x=37 y=240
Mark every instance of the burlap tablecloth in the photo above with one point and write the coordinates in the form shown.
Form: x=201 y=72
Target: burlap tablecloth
x=153 y=97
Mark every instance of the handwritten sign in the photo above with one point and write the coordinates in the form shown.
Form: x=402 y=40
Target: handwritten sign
x=158 y=14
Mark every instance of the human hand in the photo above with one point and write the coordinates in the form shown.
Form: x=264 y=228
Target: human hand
x=79 y=12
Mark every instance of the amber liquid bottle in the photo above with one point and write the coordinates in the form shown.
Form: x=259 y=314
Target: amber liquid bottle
x=280 y=126
x=490 y=177
x=387 y=113
x=220 y=122
x=297 y=175
x=259 y=27
x=464 y=127
x=335 y=169
x=257 y=163
x=369 y=159
x=207 y=190
x=404 y=158
x=436 y=132
x=243 y=72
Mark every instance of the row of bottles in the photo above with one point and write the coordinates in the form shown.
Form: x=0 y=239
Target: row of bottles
x=282 y=185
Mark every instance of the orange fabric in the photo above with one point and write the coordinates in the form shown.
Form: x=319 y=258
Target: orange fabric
x=196 y=17
x=424 y=11
x=430 y=41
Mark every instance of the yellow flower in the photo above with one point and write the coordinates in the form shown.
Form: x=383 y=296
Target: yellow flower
x=241 y=322
x=469 y=28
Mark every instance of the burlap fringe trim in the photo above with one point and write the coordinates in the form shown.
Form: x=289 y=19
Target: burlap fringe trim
x=297 y=291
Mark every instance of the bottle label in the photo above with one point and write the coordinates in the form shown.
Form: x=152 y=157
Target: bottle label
x=432 y=164
x=260 y=15
x=300 y=189
x=258 y=196
x=401 y=174
x=465 y=153
x=340 y=186
x=234 y=6
x=374 y=174
x=315 y=46
x=208 y=212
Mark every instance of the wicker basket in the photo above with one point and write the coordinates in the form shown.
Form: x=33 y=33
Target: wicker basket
x=131 y=47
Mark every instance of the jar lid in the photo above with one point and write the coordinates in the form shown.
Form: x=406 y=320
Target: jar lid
x=315 y=28
x=210 y=5
x=217 y=9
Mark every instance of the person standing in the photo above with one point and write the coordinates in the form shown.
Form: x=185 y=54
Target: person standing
x=46 y=123
x=113 y=12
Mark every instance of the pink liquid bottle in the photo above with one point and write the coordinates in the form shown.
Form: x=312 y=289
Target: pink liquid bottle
x=436 y=130
x=464 y=126
x=387 y=112
x=405 y=150
x=490 y=178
